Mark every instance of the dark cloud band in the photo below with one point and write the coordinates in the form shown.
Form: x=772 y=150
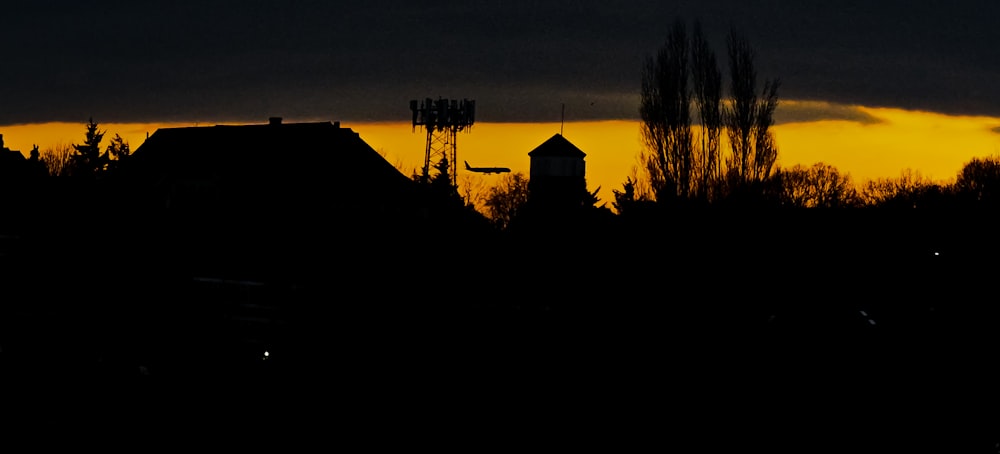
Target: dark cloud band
x=229 y=61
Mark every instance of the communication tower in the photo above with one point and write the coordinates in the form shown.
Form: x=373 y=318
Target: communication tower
x=443 y=119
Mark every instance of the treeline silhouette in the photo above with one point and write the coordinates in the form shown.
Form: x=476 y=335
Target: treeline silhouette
x=726 y=290
x=739 y=303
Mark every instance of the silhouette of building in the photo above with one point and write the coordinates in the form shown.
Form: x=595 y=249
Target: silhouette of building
x=557 y=175
x=20 y=178
x=3 y=148
x=10 y=159
x=249 y=196
x=11 y=162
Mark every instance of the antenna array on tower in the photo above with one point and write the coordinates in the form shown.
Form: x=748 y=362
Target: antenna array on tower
x=443 y=119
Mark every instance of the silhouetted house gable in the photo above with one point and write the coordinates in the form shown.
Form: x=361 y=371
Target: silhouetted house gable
x=10 y=160
x=272 y=187
x=12 y=163
x=257 y=163
x=558 y=174
x=16 y=170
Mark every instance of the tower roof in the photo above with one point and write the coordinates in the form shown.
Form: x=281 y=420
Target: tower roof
x=557 y=146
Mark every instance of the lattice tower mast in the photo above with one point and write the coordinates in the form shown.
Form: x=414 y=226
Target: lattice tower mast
x=442 y=119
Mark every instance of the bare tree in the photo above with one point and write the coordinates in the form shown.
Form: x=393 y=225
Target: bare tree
x=506 y=200
x=905 y=191
x=749 y=117
x=678 y=165
x=666 y=117
x=707 y=82
x=473 y=191
x=818 y=186
x=979 y=181
x=57 y=159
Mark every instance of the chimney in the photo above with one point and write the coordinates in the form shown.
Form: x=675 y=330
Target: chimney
x=274 y=121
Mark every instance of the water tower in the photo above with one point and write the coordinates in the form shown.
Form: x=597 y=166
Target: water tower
x=558 y=172
x=443 y=119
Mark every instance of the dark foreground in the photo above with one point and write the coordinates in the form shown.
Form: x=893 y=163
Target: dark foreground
x=859 y=350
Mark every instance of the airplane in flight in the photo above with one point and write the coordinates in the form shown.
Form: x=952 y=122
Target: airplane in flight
x=486 y=170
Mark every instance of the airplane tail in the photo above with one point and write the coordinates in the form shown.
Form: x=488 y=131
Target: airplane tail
x=467 y=166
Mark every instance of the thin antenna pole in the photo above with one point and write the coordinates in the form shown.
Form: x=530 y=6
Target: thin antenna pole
x=562 y=119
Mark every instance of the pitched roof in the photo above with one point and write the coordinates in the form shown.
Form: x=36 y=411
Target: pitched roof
x=260 y=199
x=293 y=155
x=557 y=146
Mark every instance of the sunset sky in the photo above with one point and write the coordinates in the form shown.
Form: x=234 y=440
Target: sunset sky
x=870 y=87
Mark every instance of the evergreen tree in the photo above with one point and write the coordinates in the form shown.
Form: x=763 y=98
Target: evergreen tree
x=117 y=151
x=87 y=159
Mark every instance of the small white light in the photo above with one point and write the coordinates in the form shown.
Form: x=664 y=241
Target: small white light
x=864 y=313
x=266 y=353
x=937 y=253
x=871 y=321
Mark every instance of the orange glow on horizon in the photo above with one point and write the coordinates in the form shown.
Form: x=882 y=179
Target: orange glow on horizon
x=933 y=144
x=936 y=145
x=611 y=148
x=53 y=135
